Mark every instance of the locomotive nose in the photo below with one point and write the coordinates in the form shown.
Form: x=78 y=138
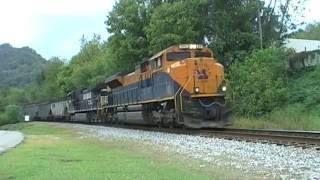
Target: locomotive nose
x=208 y=76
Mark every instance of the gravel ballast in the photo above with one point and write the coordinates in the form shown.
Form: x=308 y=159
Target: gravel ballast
x=267 y=160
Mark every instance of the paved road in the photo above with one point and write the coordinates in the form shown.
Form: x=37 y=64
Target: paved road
x=9 y=139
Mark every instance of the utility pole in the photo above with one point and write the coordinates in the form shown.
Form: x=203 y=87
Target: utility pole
x=260 y=27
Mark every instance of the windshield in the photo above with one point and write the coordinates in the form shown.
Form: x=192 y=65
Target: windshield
x=202 y=54
x=175 y=56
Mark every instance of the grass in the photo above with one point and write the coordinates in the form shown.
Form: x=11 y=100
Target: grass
x=49 y=152
x=288 y=118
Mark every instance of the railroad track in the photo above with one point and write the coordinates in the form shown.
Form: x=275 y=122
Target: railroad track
x=301 y=139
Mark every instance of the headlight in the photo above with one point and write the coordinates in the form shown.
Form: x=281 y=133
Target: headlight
x=196 y=89
x=190 y=46
x=224 y=88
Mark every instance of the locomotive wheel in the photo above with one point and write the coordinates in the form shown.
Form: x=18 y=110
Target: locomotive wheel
x=159 y=124
x=171 y=125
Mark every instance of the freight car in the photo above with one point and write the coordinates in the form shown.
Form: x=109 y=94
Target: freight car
x=37 y=111
x=182 y=85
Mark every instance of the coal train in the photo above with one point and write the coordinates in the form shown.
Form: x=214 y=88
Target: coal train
x=182 y=86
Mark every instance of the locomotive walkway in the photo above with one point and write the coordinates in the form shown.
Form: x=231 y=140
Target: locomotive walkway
x=9 y=139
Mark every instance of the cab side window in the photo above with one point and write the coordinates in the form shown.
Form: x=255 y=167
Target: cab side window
x=202 y=54
x=144 y=67
x=157 y=63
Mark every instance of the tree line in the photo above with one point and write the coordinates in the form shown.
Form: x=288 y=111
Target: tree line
x=141 y=28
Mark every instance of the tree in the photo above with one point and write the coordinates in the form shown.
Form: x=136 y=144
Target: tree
x=128 y=41
x=258 y=85
x=311 y=32
x=174 y=23
x=49 y=80
x=12 y=113
x=288 y=11
x=89 y=67
x=232 y=27
x=15 y=96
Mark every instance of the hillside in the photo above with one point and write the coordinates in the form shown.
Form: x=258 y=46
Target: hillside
x=19 y=66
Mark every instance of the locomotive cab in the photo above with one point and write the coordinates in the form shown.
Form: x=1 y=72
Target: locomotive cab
x=181 y=85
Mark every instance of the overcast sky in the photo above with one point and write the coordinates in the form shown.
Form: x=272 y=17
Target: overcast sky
x=55 y=27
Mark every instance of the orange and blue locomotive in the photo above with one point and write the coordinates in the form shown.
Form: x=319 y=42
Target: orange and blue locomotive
x=182 y=85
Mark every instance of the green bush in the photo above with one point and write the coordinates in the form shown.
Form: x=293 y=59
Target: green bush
x=305 y=89
x=258 y=85
x=11 y=115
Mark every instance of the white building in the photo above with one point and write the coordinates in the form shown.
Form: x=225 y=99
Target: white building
x=307 y=53
x=300 y=45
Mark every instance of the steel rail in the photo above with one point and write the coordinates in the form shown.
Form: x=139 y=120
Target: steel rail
x=302 y=139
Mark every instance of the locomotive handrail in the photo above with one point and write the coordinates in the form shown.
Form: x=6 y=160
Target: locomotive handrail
x=181 y=87
x=184 y=87
x=211 y=104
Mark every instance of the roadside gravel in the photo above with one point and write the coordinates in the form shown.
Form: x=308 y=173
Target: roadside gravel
x=251 y=158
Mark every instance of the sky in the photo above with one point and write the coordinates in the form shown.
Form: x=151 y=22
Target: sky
x=52 y=27
x=55 y=27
